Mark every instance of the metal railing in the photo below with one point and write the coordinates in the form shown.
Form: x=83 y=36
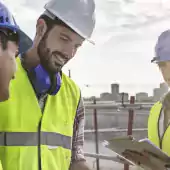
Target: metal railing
x=131 y=107
x=119 y=106
x=115 y=130
x=117 y=158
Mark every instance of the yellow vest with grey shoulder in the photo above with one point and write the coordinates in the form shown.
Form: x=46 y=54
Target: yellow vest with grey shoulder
x=154 y=134
x=30 y=139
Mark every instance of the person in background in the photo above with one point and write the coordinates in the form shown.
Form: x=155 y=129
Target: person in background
x=43 y=120
x=159 y=118
x=12 y=41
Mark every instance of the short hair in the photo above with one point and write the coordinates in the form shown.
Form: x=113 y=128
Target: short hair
x=52 y=22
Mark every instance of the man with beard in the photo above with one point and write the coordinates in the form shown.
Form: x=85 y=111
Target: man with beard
x=11 y=38
x=42 y=123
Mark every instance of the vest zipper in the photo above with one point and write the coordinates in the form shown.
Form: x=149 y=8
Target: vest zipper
x=39 y=145
x=42 y=99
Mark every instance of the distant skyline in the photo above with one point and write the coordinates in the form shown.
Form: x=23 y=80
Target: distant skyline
x=131 y=89
x=125 y=36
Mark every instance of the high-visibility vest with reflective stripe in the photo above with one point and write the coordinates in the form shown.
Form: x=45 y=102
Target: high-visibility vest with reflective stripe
x=30 y=139
x=153 y=129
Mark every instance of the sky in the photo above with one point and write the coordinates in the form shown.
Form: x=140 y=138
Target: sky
x=125 y=35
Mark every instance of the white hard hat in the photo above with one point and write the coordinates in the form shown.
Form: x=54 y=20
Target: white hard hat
x=77 y=14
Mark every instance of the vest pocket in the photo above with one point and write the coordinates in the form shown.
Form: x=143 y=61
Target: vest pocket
x=56 y=158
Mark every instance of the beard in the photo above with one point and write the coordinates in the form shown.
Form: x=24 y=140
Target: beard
x=48 y=59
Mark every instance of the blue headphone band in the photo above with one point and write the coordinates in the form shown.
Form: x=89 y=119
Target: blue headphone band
x=43 y=83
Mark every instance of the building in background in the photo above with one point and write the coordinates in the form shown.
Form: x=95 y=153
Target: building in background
x=115 y=92
x=123 y=96
x=117 y=96
x=141 y=97
x=106 y=97
x=159 y=92
x=115 y=88
x=164 y=88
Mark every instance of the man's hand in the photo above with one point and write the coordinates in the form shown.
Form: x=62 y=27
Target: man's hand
x=79 y=165
x=144 y=159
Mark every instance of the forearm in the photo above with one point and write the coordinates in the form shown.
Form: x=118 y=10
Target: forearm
x=79 y=165
x=78 y=160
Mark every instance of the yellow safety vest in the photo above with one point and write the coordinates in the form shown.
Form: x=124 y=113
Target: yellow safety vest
x=30 y=139
x=1 y=166
x=153 y=129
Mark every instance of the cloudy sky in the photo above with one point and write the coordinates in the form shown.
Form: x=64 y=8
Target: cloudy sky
x=125 y=35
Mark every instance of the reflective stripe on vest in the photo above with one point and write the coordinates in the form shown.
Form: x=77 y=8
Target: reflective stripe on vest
x=153 y=129
x=31 y=133
x=31 y=139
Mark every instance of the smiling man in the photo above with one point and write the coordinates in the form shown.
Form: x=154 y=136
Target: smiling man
x=43 y=121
